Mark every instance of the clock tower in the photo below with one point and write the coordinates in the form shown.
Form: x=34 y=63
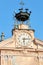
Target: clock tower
x=22 y=31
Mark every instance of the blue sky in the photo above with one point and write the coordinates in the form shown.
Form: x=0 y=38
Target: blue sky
x=7 y=8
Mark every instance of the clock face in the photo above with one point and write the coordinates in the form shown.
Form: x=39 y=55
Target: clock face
x=24 y=39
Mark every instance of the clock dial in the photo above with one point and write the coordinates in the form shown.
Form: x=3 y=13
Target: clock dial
x=24 y=39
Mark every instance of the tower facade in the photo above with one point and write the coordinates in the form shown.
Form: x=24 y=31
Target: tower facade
x=22 y=48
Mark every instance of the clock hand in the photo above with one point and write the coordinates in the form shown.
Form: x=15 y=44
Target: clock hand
x=26 y=38
x=23 y=41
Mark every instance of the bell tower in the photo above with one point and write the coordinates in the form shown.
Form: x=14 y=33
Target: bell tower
x=22 y=18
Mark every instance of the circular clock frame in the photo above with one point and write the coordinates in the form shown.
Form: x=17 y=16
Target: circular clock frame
x=24 y=39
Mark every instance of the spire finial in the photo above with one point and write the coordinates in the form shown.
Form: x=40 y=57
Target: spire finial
x=22 y=3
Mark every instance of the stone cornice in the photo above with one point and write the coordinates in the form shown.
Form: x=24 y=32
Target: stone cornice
x=21 y=49
x=38 y=42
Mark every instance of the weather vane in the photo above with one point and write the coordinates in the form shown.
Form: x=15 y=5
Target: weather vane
x=22 y=3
